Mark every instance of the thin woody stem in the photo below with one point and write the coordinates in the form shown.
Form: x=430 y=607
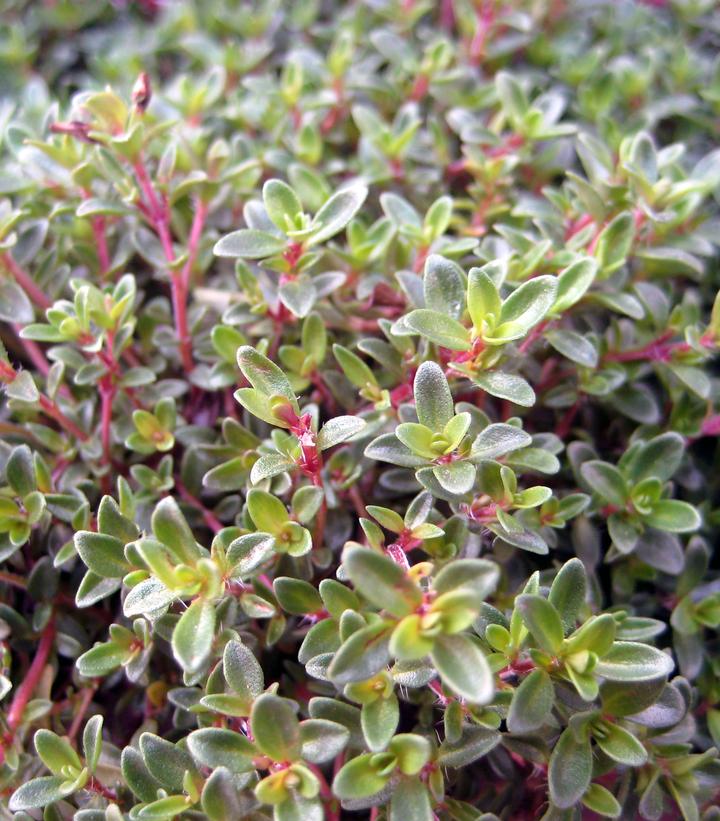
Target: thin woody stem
x=29 y=684
x=51 y=409
x=25 y=281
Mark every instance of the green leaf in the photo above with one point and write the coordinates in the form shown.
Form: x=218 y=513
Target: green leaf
x=596 y=634
x=570 y=769
x=112 y=521
x=411 y=751
x=525 y=307
x=437 y=217
x=411 y=802
x=296 y=596
x=532 y=703
x=20 y=471
x=632 y=661
x=15 y=305
x=409 y=641
x=361 y=656
x=455 y=477
x=337 y=212
x=659 y=458
x=474 y=743
x=433 y=400
x=104 y=555
x=379 y=720
x=499 y=439
x=484 y=304
x=606 y=480
x=267 y=511
x=358 y=778
x=171 y=528
x=602 y=801
x=282 y=204
x=381 y=581
x=264 y=375
x=92 y=742
x=439 y=329
x=233 y=474
x=298 y=294
x=338 y=430
x=39 y=792
x=101 y=660
x=619 y=744
x=306 y=502
x=193 y=636
x=164 y=808
x=674 y=516
x=615 y=242
x=542 y=620
x=55 y=752
x=322 y=740
x=249 y=552
x=512 y=97
x=573 y=283
x=137 y=776
x=354 y=368
x=506 y=386
x=165 y=761
x=444 y=286
x=388 y=448
x=463 y=668
x=568 y=591
x=249 y=243
x=275 y=728
x=216 y=747
x=574 y=346
x=23 y=387
x=219 y=797
x=479 y=576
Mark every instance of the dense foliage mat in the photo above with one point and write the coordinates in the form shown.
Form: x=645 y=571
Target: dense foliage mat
x=359 y=417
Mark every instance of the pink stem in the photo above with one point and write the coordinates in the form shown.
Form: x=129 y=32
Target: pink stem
x=201 y=211
x=25 y=281
x=51 y=409
x=29 y=683
x=98 y=229
x=209 y=517
x=107 y=394
x=156 y=210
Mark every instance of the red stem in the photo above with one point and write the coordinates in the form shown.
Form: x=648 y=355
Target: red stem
x=30 y=682
x=534 y=335
x=52 y=410
x=107 y=394
x=447 y=15
x=357 y=500
x=659 y=350
x=99 y=788
x=563 y=427
x=201 y=210
x=25 y=281
x=180 y=284
x=12 y=579
x=86 y=700
x=210 y=518
x=98 y=229
x=156 y=210
x=332 y=809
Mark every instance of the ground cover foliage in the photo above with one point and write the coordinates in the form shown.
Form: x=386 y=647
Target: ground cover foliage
x=359 y=416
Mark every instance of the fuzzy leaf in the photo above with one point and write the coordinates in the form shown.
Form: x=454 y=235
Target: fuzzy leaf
x=249 y=243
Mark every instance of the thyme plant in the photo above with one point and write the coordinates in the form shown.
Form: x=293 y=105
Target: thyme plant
x=359 y=416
